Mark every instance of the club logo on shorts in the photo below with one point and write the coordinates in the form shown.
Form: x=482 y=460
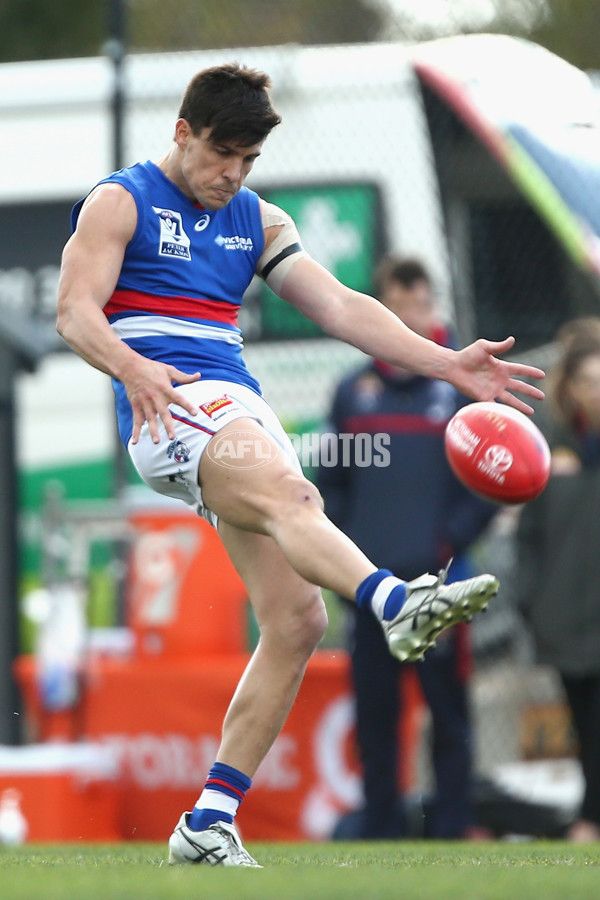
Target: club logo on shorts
x=215 y=408
x=173 y=240
x=178 y=451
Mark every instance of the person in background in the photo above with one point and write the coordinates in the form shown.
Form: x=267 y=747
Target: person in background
x=558 y=536
x=410 y=515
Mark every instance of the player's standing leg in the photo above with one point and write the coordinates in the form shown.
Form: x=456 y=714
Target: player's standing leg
x=291 y=616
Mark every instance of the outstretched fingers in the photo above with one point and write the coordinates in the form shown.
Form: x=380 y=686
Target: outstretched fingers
x=481 y=374
x=151 y=411
x=151 y=403
x=510 y=400
x=175 y=396
x=525 y=370
x=523 y=387
x=138 y=420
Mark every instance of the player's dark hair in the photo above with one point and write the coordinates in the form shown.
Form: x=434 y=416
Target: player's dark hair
x=233 y=101
x=404 y=271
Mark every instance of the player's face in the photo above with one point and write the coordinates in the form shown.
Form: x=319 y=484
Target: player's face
x=212 y=173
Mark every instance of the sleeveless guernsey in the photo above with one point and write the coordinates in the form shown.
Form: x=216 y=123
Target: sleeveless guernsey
x=183 y=277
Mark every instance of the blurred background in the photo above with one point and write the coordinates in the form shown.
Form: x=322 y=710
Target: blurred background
x=464 y=132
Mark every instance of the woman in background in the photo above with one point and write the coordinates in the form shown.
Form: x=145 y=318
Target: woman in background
x=559 y=553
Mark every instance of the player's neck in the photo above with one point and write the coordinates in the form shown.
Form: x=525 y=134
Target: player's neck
x=169 y=165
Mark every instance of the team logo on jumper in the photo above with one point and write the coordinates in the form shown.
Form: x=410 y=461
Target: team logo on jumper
x=173 y=240
x=234 y=242
x=178 y=451
x=215 y=409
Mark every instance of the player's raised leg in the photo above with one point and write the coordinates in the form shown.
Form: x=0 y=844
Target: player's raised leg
x=275 y=499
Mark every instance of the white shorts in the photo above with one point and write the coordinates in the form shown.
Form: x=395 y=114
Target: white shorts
x=171 y=467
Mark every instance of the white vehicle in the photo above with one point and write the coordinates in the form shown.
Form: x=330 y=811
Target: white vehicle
x=477 y=153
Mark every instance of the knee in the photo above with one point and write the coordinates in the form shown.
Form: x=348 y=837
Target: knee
x=296 y=495
x=298 y=632
x=314 y=624
x=308 y=627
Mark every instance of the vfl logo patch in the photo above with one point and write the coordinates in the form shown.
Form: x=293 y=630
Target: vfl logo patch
x=173 y=240
x=216 y=406
x=178 y=451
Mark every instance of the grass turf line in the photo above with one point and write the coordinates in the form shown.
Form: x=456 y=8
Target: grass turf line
x=329 y=871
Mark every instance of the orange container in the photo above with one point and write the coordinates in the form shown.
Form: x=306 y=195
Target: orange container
x=64 y=794
x=183 y=594
x=165 y=747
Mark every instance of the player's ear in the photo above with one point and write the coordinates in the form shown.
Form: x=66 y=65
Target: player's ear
x=183 y=132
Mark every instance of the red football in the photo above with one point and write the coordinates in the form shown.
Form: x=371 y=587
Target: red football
x=498 y=452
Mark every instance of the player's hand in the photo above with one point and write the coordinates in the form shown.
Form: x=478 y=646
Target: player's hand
x=149 y=386
x=477 y=372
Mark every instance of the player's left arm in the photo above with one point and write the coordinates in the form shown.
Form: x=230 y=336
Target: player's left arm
x=343 y=313
x=365 y=323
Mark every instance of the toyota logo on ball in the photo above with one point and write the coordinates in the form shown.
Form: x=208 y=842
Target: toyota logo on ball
x=498 y=458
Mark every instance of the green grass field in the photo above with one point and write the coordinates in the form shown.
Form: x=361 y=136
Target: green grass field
x=409 y=871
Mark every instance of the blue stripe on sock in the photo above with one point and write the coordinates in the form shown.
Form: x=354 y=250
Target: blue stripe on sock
x=235 y=785
x=201 y=819
x=366 y=589
x=394 y=602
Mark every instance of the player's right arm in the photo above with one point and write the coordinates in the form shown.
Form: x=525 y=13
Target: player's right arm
x=91 y=264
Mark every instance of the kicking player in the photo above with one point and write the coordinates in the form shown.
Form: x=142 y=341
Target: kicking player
x=151 y=283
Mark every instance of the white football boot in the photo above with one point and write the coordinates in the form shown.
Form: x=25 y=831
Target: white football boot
x=218 y=845
x=432 y=606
